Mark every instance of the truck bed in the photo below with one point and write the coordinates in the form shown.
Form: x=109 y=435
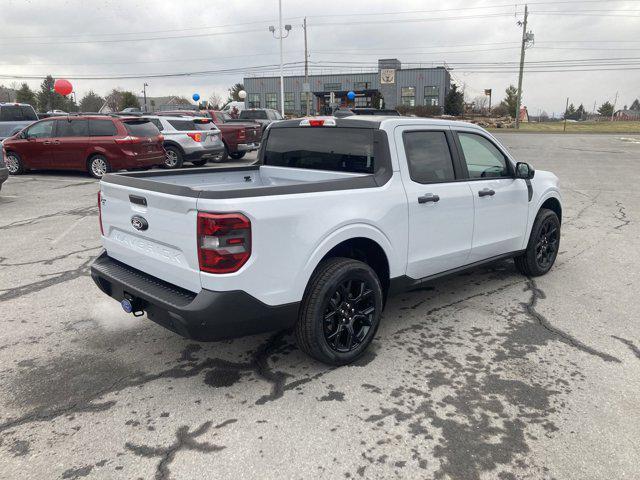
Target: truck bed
x=246 y=181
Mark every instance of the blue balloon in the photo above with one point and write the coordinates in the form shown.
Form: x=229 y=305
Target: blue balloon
x=196 y=97
x=351 y=95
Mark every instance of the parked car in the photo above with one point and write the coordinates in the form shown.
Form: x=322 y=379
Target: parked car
x=239 y=137
x=188 y=139
x=97 y=144
x=4 y=171
x=338 y=215
x=264 y=116
x=14 y=117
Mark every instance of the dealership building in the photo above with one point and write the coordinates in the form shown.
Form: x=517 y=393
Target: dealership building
x=392 y=83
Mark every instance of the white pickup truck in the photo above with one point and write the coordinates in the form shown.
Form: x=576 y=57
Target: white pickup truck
x=336 y=215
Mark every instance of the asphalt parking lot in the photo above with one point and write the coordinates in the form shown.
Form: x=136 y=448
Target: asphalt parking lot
x=486 y=375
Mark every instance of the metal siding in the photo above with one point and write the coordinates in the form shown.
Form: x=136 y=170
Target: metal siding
x=418 y=78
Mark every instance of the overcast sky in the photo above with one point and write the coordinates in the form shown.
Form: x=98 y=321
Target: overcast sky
x=69 y=38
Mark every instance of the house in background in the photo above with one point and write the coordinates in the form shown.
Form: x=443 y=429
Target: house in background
x=626 y=115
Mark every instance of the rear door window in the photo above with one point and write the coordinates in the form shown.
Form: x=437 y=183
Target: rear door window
x=28 y=113
x=336 y=149
x=102 y=128
x=183 y=125
x=428 y=157
x=73 y=128
x=141 y=128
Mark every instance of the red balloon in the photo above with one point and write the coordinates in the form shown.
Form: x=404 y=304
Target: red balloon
x=62 y=86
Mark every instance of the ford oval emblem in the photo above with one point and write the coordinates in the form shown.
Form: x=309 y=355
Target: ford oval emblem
x=139 y=223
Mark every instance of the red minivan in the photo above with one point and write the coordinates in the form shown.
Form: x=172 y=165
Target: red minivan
x=97 y=144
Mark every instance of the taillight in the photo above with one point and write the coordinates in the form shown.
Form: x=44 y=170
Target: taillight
x=224 y=241
x=242 y=134
x=100 y=213
x=127 y=140
x=196 y=136
x=161 y=138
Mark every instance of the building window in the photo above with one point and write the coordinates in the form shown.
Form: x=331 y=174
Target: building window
x=253 y=99
x=362 y=102
x=289 y=103
x=332 y=87
x=271 y=100
x=431 y=95
x=303 y=102
x=408 y=96
x=361 y=86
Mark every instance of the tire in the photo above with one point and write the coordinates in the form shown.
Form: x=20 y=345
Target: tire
x=173 y=158
x=14 y=163
x=343 y=300
x=543 y=245
x=237 y=155
x=98 y=166
x=224 y=156
x=199 y=163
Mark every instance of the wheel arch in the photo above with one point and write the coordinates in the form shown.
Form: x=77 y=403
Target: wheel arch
x=553 y=203
x=171 y=143
x=360 y=242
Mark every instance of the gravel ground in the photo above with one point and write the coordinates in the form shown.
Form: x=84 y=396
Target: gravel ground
x=486 y=375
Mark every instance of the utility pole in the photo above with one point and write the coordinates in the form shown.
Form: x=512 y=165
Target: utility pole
x=564 y=129
x=144 y=93
x=525 y=38
x=279 y=37
x=306 y=67
x=613 y=110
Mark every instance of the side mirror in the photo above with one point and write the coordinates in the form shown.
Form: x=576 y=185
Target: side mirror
x=524 y=171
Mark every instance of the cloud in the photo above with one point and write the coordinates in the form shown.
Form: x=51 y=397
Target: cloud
x=338 y=32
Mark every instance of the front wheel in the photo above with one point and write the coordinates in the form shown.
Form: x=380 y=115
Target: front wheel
x=199 y=163
x=340 y=311
x=543 y=245
x=14 y=163
x=98 y=166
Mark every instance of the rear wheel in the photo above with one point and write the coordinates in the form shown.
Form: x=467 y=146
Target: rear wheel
x=224 y=156
x=237 y=155
x=199 y=163
x=543 y=245
x=98 y=166
x=340 y=311
x=14 y=163
x=173 y=157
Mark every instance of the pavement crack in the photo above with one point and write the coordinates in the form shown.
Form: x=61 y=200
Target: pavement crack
x=621 y=216
x=185 y=440
x=634 y=349
x=75 y=212
x=46 y=261
x=530 y=309
x=54 y=279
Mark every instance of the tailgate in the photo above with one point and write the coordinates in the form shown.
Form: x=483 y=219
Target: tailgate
x=253 y=134
x=163 y=244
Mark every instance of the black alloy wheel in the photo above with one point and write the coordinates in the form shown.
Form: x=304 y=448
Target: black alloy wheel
x=348 y=315
x=547 y=244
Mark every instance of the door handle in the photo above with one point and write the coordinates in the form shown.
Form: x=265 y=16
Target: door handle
x=429 y=197
x=56 y=142
x=486 y=191
x=46 y=142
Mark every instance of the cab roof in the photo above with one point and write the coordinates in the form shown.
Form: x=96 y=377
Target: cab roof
x=379 y=121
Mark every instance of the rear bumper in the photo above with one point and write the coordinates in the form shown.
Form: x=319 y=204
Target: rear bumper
x=247 y=147
x=209 y=152
x=4 y=174
x=203 y=316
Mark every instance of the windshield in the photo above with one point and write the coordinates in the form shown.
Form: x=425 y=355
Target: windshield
x=254 y=114
x=321 y=148
x=141 y=128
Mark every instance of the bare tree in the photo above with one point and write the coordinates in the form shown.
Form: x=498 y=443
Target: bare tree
x=480 y=104
x=114 y=99
x=215 y=101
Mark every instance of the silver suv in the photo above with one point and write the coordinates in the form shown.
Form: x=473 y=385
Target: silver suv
x=188 y=139
x=14 y=117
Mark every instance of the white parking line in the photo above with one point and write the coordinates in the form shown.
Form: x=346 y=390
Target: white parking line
x=67 y=231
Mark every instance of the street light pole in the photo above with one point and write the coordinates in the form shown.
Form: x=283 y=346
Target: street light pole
x=280 y=37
